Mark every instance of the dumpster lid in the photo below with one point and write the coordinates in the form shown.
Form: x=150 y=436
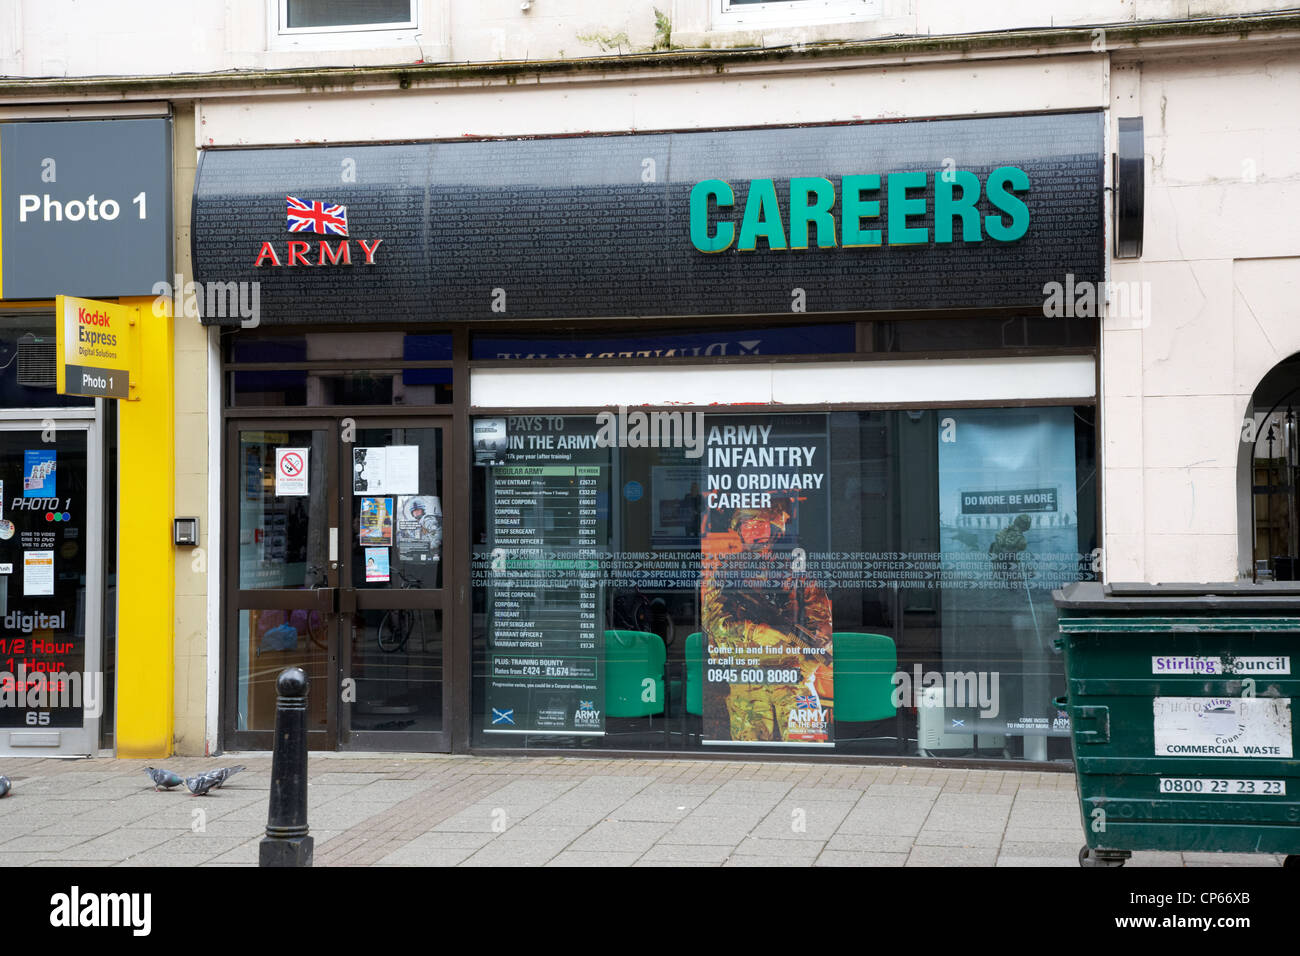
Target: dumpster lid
x=1234 y=597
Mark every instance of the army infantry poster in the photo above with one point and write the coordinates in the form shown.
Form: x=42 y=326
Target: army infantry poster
x=766 y=621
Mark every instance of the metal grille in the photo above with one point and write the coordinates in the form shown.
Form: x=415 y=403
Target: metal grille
x=36 y=362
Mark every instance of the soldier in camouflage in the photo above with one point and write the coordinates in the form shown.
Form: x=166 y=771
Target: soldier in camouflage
x=752 y=597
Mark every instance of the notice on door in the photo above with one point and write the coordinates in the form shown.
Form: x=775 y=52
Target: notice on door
x=1222 y=726
x=39 y=473
x=38 y=573
x=391 y=470
x=291 y=472
x=419 y=527
x=376 y=522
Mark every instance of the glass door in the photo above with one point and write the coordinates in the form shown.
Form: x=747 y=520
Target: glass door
x=51 y=564
x=282 y=575
x=393 y=598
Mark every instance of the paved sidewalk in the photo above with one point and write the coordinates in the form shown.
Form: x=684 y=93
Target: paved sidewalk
x=557 y=811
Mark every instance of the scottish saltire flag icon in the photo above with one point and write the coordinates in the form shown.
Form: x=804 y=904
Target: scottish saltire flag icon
x=805 y=703
x=314 y=216
x=503 y=716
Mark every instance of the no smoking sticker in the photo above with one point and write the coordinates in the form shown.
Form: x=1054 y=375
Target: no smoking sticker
x=290 y=472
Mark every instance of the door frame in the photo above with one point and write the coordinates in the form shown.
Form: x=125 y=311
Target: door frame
x=424 y=599
x=83 y=741
x=282 y=599
x=338 y=465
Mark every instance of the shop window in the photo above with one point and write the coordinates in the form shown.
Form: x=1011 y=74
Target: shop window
x=280 y=370
x=27 y=363
x=584 y=344
x=874 y=582
x=268 y=350
x=325 y=346
x=966 y=334
x=981 y=334
x=275 y=388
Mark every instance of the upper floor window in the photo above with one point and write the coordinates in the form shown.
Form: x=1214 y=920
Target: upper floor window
x=338 y=16
x=746 y=13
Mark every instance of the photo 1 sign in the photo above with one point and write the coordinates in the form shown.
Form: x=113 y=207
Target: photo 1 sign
x=86 y=207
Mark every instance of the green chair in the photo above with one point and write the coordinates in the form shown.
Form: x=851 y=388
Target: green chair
x=631 y=659
x=695 y=674
x=864 y=667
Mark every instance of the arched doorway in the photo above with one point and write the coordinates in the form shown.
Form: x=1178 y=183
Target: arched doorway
x=1269 y=477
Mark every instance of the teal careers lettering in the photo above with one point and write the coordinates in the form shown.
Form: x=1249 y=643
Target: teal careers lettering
x=815 y=212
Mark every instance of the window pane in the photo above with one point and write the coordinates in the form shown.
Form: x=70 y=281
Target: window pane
x=867 y=582
x=397 y=660
x=282 y=538
x=27 y=363
x=325 y=347
x=275 y=388
x=336 y=13
x=269 y=641
x=935 y=335
x=43 y=538
x=834 y=339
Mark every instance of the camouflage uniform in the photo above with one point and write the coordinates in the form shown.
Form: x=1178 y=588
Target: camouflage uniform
x=767 y=607
x=1005 y=551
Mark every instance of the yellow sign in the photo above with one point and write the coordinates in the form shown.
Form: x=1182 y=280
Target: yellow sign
x=98 y=348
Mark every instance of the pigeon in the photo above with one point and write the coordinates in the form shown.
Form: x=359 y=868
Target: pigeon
x=163 y=778
x=5 y=786
x=200 y=784
x=225 y=773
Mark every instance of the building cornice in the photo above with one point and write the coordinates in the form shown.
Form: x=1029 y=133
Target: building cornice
x=1123 y=41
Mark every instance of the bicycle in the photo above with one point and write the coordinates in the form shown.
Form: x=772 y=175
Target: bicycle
x=397 y=626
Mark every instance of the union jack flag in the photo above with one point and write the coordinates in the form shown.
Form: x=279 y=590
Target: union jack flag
x=805 y=703
x=314 y=216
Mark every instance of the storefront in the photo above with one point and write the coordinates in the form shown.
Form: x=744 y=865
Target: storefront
x=763 y=440
x=85 y=212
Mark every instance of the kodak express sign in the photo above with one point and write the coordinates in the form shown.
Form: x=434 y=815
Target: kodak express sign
x=98 y=348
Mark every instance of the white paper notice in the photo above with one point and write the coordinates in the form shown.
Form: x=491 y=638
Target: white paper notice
x=369 y=471
x=38 y=573
x=291 y=472
x=403 y=471
x=1222 y=726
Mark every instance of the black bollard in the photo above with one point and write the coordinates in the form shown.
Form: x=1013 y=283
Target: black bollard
x=287 y=842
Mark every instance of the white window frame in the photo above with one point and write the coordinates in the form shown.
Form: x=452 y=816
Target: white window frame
x=354 y=34
x=791 y=13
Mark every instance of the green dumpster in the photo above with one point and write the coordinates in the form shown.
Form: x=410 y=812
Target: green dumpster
x=1180 y=700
